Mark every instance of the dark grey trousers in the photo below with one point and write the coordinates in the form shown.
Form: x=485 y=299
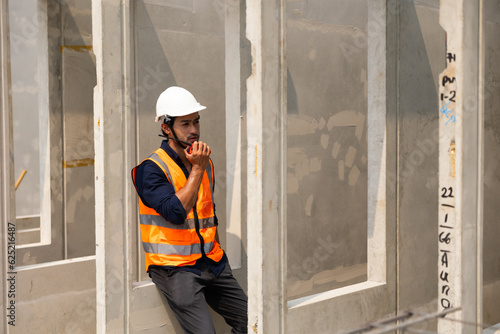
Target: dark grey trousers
x=188 y=295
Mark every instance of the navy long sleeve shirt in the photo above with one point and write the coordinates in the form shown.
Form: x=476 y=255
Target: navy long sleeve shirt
x=156 y=192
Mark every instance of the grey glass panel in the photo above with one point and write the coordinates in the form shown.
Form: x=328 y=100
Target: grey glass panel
x=326 y=55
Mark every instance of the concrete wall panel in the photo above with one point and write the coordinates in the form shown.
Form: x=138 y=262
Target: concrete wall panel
x=59 y=297
x=421 y=54
x=78 y=82
x=326 y=145
x=56 y=298
x=180 y=44
x=71 y=79
x=24 y=68
x=183 y=46
x=50 y=97
x=491 y=196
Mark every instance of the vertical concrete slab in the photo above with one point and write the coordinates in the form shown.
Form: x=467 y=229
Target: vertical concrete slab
x=51 y=151
x=350 y=306
x=112 y=183
x=78 y=81
x=491 y=196
x=233 y=36
x=161 y=44
x=460 y=169
x=182 y=45
x=264 y=153
x=45 y=296
x=25 y=64
x=472 y=165
x=327 y=143
x=420 y=48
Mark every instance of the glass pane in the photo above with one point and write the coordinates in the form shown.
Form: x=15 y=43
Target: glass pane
x=327 y=145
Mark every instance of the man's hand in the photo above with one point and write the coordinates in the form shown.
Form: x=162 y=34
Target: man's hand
x=198 y=158
x=199 y=155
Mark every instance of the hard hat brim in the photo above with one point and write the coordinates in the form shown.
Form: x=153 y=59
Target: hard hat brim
x=177 y=113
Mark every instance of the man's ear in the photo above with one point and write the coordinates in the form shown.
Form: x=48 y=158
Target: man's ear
x=166 y=129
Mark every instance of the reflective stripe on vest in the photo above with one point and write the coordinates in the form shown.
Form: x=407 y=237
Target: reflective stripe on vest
x=169 y=244
x=166 y=249
x=188 y=223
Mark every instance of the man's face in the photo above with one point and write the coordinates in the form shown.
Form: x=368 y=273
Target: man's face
x=187 y=128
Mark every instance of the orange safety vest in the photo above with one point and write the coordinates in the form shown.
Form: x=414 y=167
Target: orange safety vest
x=169 y=244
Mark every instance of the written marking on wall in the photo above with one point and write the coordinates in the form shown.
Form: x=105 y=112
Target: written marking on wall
x=447 y=220
x=448 y=90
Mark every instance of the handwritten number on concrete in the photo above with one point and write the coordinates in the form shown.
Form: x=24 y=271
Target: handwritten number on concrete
x=447 y=192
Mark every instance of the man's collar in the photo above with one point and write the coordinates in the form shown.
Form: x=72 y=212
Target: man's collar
x=166 y=147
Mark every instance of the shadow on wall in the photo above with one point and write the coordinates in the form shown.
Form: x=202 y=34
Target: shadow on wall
x=153 y=73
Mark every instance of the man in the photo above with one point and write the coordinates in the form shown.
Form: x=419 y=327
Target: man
x=178 y=222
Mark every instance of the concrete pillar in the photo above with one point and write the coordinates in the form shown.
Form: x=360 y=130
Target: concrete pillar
x=233 y=34
x=111 y=41
x=264 y=178
x=460 y=168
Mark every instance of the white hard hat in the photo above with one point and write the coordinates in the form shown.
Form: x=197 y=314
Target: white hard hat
x=176 y=101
